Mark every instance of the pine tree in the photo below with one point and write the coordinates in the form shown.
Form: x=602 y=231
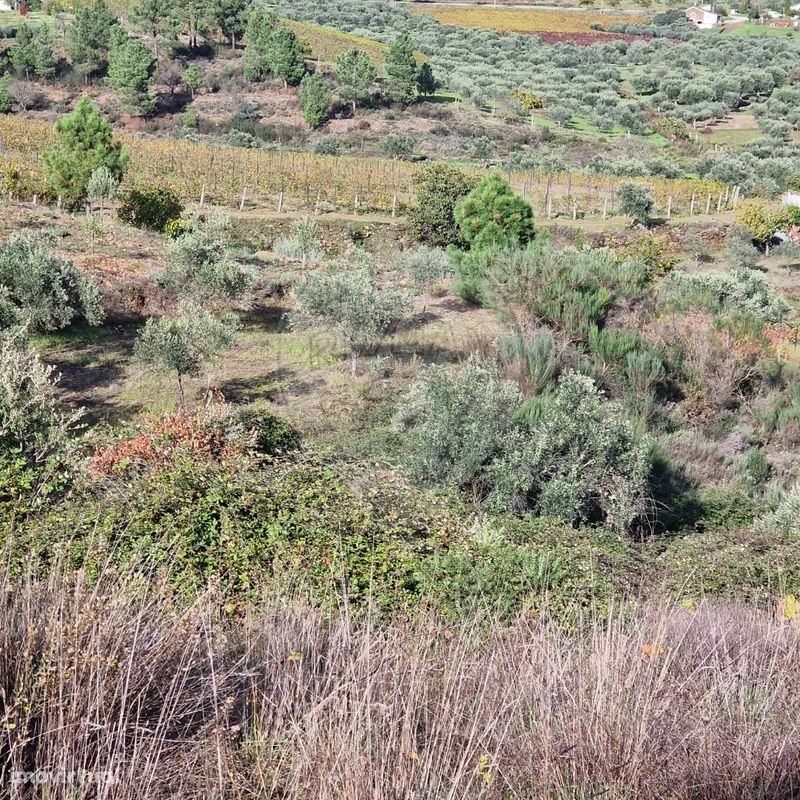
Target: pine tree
x=151 y=17
x=260 y=26
x=84 y=143
x=131 y=69
x=426 y=81
x=6 y=101
x=285 y=56
x=401 y=71
x=192 y=79
x=146 y=16
x=195 y=17
x=21 y=53
x=491 y=215
x=231 y=19
x=89 y=36
x=356 y=73
x=44 y=59
x=315 y=99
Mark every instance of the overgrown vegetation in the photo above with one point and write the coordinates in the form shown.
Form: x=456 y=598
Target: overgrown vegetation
x=472 y=470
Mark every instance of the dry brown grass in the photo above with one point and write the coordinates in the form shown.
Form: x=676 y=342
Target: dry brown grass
x=179 y=700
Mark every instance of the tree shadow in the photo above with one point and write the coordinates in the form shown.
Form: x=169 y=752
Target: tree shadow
x=88 y=362
x=263 y=386
x=173 y=102
x=268 y=318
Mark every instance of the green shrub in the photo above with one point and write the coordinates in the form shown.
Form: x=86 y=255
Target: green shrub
x=743 y=290
x=709 y=508
x=580 y=459
x=741 y=564
x=457 y=422
x=439 y=189
x=201 y=264
x=272 y=434
x=32 y=425
x=508 y=565
x=398 y=145
x=486 y=573
x=576 y=311
x=532 y=361
x=566 y=287
x=656 y=254
x=302 y=244
x=612 y=345
x=43 y=290
x=150 y=208
x=740 y=252
x=757 y=468
x=249 y=526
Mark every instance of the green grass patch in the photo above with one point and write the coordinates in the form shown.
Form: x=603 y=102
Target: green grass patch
x=75 y=336
x=13 y=19
x=750 y=29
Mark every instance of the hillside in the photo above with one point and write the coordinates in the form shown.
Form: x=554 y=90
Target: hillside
x=398 y=401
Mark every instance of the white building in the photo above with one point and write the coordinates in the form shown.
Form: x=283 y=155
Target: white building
x=703 y=17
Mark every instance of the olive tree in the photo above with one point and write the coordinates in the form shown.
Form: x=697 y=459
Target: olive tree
x=353 y=304
x=302 y=244
x=424 y=265
x=201 y=266
x=102 y=186
x=46 y=291
x=740 y=252
x=30 y=419
x=635 y=201
x=180 y=345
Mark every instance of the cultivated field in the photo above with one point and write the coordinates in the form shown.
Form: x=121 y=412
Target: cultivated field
x=281 y=179
x=531 y=20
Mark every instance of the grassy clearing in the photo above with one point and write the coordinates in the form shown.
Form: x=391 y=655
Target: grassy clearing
x=13 y=19
x=749 y=29
x=304 y=373
x=734 y=137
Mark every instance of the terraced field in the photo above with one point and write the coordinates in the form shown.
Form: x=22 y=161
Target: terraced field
x=327 y=44
x=533 y=20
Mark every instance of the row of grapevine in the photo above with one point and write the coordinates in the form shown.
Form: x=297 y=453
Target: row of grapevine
x=293 y=180
x=327 y=44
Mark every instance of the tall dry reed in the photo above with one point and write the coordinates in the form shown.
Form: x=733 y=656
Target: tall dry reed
x=179 y=700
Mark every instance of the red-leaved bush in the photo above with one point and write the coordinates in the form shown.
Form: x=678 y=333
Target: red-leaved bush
x=201 y=435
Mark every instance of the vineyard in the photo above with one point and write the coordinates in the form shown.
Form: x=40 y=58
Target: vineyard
x=327 y=44
x=527 y=20
x=288 y=180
